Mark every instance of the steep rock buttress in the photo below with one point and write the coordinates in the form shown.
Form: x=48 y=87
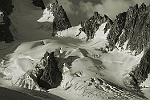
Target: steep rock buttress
x=55 y=18
x=90 y=26
x=131 y=31
x=46 y=74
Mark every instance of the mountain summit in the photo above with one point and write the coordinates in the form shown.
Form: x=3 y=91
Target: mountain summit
x=61 y=21
x=90 y=26
x=131 y=31
x=56 y=14
x=131 y=28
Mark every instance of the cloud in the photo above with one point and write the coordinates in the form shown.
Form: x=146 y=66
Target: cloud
x=87 y=8
x=68 y=6
x=109 y=7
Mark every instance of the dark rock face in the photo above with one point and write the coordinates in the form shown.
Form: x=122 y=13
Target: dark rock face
x=39 y=3
x=61 y=21
x=133 y=27
x=116 y=29
x=50 y=76
x=47 y=73
x=141 y=71
x=6 y=8
x=90 y=26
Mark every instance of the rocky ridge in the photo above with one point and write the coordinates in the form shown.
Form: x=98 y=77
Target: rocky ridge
x=102 y=89
x=90 y=26
x=54 y=18
x=45 y=75
x=131 y=31
x=131 y=27
x=61 y=21
x=139 y=73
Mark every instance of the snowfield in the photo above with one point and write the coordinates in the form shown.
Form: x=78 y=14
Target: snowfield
x=95 y=74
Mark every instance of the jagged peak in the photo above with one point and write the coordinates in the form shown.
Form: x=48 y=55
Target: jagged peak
x=133 y=7
x=56 y=2
x=132 y=21
x=52 y=55
x=56 y=14
x=105 y=16
x=90 y=26
x=61 y=8
x=96 y=13
x=142 y=7
x=107 y=19
x=130 y=33
x=120 y=14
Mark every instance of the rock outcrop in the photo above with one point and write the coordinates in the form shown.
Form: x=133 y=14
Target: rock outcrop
x=140 y=73
x=6 y=8
x=131 y=31
x=132 y=27
x=46 y=74
x=39 y=3
x=116 y=29
x=90 y=26
x=61 y=21
x=51 y=76
x=54 y=18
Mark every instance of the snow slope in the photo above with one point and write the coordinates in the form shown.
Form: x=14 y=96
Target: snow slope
x=47 y=15
x=91 y=64
x=95 y=74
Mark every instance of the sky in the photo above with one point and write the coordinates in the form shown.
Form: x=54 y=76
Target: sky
x=80 y=10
